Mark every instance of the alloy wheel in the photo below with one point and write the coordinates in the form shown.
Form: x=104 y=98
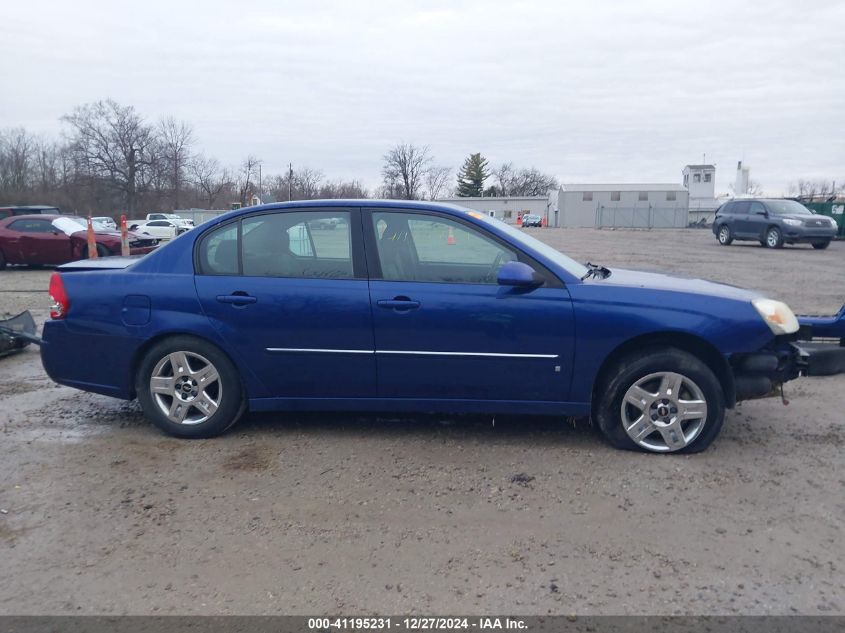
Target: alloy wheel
x=664 y=411
x=186 y=387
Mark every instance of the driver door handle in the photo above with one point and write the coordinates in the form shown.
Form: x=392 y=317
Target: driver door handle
x=401 y=304
x=237 y=298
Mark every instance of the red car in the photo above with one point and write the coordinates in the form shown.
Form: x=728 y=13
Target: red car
x=58 y=239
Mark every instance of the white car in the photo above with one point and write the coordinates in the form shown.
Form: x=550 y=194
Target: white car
x=106 y=221
x=189 y=224
x=162 y=229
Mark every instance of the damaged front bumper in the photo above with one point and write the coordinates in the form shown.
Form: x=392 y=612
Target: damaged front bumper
x=16 y=333
x=818 y=349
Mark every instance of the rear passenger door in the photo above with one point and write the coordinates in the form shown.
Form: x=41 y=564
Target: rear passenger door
x=288 y=291
x=743 y=225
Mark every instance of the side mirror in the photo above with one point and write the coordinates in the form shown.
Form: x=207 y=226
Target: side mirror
x=519 y=275
x=764 y=213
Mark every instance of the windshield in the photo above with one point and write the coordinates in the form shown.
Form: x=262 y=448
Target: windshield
x=787 y=207
x=523 y=239
x=72 y=224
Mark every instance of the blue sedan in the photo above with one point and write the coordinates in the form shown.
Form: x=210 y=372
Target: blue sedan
x=404 y=306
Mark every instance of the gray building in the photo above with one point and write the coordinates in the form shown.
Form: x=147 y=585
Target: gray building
x=508 y=209
x=623 y=205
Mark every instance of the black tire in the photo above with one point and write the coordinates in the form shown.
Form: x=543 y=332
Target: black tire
x=102 y=251
x=227 y=390
x=774 y=237
x=820 y=246
x=2 y=261
x=607 y=408
x=724 y=235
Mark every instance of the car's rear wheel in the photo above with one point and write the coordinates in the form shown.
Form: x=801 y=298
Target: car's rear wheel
x=102 y=251
x=660 y=400
x=724 y=236
x=189 y=388
x=821 y=245
x=774 y=238
x=2 y=261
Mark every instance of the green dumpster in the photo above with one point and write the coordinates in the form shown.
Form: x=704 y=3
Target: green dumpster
x=831 y=208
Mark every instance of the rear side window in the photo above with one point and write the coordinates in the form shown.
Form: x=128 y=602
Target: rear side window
x=219 y=251
x=306 y=244
x=740 y=207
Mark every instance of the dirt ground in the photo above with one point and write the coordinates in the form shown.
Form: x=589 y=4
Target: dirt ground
x=314 y=514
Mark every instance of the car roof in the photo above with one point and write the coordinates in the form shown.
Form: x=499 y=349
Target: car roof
x=36 y=216
x=32 y=207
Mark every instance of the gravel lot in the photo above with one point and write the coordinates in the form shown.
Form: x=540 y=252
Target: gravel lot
x=307 y=514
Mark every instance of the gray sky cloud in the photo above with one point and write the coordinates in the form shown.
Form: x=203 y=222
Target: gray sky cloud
x=589 y=91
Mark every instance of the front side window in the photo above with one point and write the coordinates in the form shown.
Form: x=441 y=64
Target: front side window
x=419 y=247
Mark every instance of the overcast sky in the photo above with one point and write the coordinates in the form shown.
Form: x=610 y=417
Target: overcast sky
x=589 y=91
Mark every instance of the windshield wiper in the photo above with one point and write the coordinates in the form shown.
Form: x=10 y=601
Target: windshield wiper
x=594 y=270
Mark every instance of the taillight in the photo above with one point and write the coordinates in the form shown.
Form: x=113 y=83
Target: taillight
x=61 y=303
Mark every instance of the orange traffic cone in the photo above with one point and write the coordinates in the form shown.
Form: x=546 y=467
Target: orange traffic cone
x=451 y=239
x=92 y=241
x=124 y=237
x=519 y=220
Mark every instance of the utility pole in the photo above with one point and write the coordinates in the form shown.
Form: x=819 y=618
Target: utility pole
x=290 y=180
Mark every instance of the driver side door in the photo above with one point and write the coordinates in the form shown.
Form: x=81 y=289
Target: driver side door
x=445 y=330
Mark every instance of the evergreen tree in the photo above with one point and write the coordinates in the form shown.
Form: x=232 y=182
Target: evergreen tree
x=472 y=175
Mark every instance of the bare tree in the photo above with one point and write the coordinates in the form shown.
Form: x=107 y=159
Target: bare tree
x=404 y=169
x=176 y=138
x=504 y=176
x=306 y=183
x=754 y=188
x=209 y=178
x=113 y=143
x=342 y=189
x=17 y=153
x=436 y=178
x=522 y=182
x=247 y=176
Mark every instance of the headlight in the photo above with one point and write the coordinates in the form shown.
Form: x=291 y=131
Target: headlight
x=777 y=315
x=792 y=222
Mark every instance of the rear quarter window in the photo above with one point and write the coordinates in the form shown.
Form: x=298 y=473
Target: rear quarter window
x=218 y=251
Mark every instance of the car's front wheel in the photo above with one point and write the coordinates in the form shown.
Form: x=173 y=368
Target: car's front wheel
x=724 y=236
x=189 y=388
x=820 y=246
x=660 y=400
x=774 y=237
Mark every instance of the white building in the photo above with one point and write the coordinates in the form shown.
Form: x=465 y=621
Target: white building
x=700 y=181
x=743 y=179
x=509 y=208
x=623 y=205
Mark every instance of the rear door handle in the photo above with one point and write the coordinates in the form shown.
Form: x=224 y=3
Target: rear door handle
x=398 y=303
x=237 y=298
